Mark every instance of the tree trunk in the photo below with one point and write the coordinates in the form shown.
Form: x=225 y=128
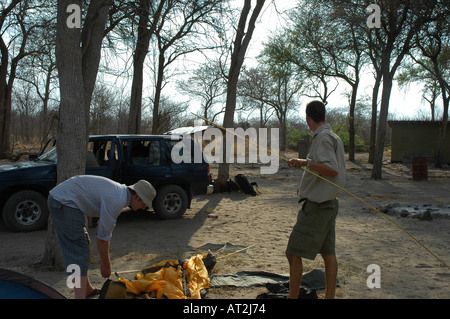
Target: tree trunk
x=158 y=89
x=442 y=130
x=5 y=121
x=45 y=126
x=52 y=253
x=91 y=40
x=76 y=79
x=230 y=106
x=134 y=117
x=388 y=76
x=144 y=35
x=373 y=122
x=445 y=93
x=283 y=133
x=142 y=44
x=5 y=88
x=241 y=42
x=351 y=122
x=71 y=145
x=381 y=129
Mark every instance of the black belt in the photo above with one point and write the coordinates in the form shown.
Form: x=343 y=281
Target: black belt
x=305 y=199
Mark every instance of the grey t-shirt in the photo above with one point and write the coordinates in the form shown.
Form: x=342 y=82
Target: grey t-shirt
x=326 y=148
x=95 y=196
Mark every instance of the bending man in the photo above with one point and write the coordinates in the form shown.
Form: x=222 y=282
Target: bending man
x=93 y=196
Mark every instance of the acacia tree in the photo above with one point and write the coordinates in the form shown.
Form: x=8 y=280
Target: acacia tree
x=400 y=21
x=301 y=43
x=207 y=84
x=374 y=56
x=414 y=72
x=18 y=22
x=294 y=44
x=275 y=86
x=283 y=92
x=39 y=71
x=346 y=53
x=147 y=10
x=433 y=43
x=244 y=33
x=388 y=46
x=254 y=88
x=323 y=43
x=180 y=32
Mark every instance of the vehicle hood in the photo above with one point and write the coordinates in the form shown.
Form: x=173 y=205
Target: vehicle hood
x=22 y=165
x=27 y=171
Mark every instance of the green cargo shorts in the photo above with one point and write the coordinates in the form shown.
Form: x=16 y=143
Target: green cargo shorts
x=315 y=230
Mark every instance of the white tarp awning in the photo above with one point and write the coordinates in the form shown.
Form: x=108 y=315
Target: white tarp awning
x=188 y=130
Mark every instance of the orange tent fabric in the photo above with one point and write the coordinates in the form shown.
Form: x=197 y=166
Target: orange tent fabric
x=168 y=279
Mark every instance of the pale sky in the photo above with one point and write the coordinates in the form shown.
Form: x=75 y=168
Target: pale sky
x=403 y=103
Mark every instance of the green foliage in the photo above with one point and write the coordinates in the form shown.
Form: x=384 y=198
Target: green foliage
x=341 y=130
x=294 y=135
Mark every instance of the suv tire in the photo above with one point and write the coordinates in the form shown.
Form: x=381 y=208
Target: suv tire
x=170 y=202
x=26 y=211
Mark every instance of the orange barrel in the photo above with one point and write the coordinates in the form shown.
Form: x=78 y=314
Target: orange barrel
x=419 y=168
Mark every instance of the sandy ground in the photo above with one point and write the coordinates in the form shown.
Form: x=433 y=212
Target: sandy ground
x=264 y=222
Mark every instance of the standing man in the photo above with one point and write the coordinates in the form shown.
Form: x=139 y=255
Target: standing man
x=93 y=196
x=314 y=232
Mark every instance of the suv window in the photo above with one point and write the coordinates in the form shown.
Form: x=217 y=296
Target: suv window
x=100 y=153
x=145 y=153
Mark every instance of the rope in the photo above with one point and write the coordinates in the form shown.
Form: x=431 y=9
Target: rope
x=235 y=252
x=341 y=188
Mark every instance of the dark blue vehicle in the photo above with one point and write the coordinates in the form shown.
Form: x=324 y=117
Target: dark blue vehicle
x=24 y=186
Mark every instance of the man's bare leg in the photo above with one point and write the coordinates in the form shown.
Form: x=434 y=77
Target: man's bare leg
x=331 y=269
x=295 y=275
x=80 y=292
x=84 y=289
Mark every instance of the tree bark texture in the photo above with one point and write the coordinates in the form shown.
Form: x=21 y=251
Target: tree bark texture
x=77 y=60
